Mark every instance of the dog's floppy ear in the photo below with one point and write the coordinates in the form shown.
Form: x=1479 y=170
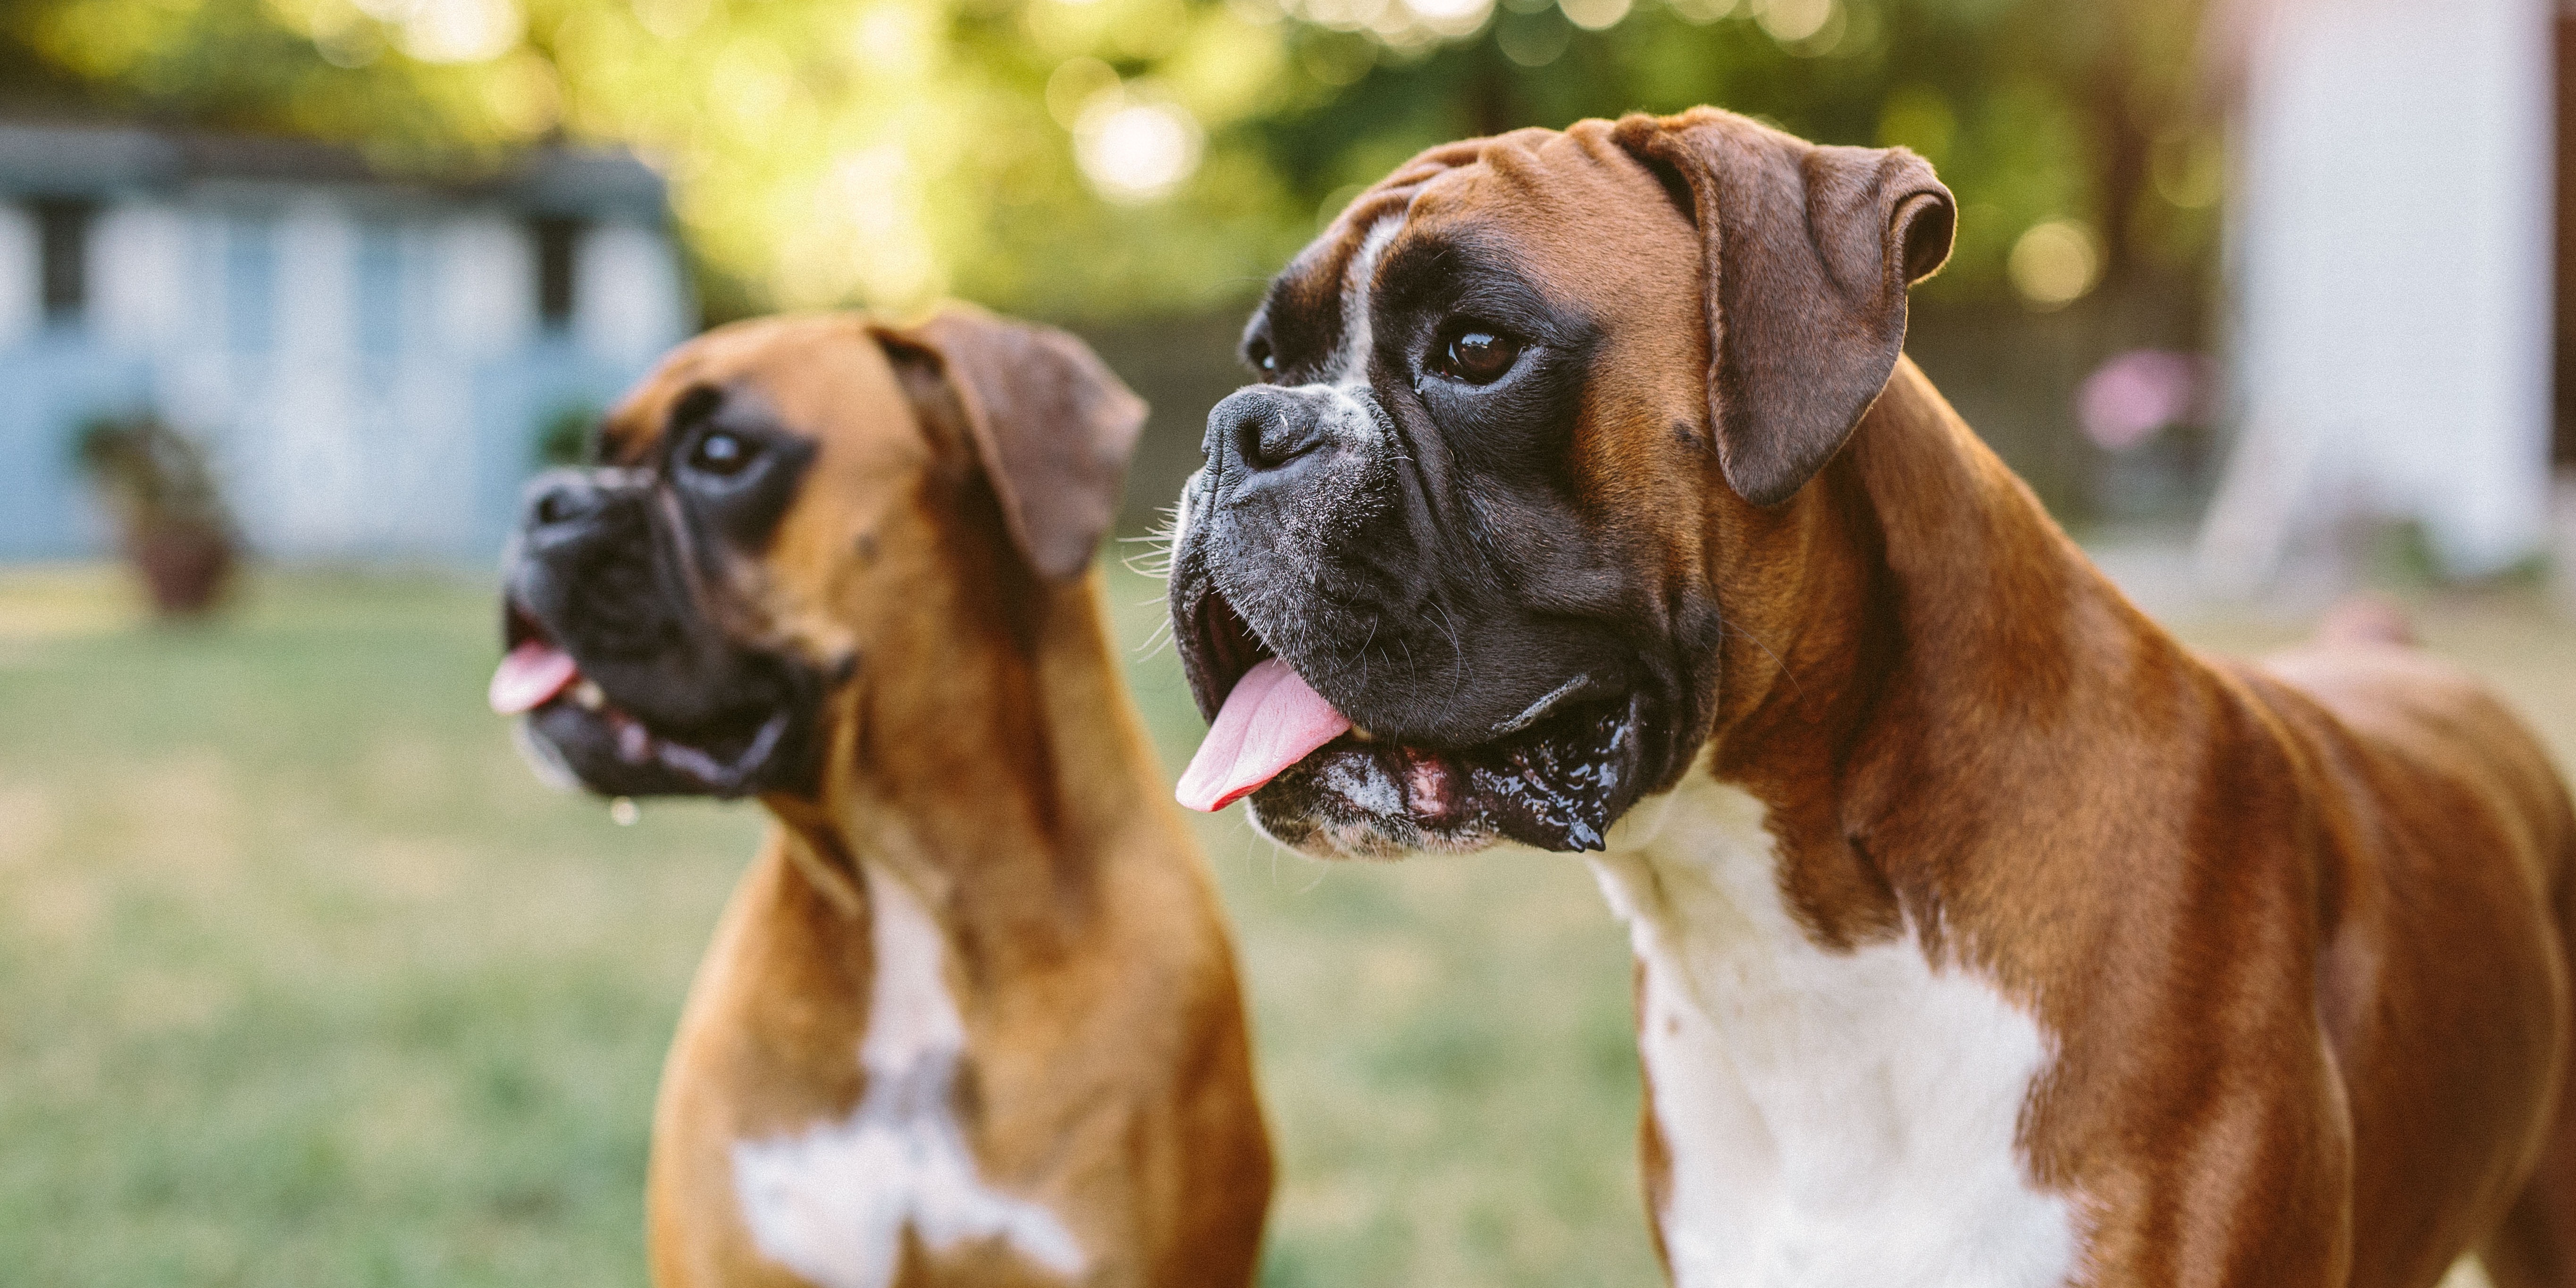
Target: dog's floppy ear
x=1809 y=251
x=1051 y=424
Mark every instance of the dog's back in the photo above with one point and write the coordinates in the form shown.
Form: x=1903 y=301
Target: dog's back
x=2447 y=843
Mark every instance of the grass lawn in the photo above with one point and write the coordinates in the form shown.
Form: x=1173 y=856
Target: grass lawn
x=304 y=979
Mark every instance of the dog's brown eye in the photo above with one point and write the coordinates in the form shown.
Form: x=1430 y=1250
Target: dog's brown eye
x=721 y=454
x=1478 y=357
x=1262 y=359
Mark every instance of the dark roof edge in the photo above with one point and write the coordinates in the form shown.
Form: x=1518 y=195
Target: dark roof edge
x=49 y=159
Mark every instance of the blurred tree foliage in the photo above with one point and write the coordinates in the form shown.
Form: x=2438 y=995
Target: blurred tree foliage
x=1106 y=157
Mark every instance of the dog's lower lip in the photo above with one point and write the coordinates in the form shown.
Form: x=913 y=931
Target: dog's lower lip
x=1558 y=784
x=721 y=774
x=1430 y=785
x=639 y=744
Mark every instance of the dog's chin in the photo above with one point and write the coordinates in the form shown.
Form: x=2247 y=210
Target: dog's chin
x=609 y=751
x=754 y=733
x=1557 y=786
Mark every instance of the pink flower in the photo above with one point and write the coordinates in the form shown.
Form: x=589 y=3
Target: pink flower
x=2139 y=394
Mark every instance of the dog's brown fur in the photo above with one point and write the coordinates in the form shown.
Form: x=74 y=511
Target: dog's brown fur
x=2299 y=930
x=985 y=752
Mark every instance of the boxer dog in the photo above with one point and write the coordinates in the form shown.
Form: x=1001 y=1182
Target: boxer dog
x=1984 y=934
x=971 y=1018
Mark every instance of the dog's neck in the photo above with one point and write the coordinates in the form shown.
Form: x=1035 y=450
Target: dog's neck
x=1912 y=615
x=994 y=787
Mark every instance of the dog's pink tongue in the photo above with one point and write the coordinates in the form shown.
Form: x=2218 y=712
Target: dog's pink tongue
x=1270 y=721
x=530 y=676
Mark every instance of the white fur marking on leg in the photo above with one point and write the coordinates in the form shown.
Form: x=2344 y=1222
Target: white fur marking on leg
x=832 y=1204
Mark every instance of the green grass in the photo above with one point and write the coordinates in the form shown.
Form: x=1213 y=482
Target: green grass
x=304 y=980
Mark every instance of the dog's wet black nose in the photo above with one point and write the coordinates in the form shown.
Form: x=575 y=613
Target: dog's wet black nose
x=1265 y=429
x=561 y=499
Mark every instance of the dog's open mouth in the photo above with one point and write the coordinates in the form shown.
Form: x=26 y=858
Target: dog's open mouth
x=569 y=710
x=1555 y=778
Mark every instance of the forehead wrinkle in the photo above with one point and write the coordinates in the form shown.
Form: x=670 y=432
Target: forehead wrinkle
x=814 y=387
x=1520 y=187
x=1583 y=226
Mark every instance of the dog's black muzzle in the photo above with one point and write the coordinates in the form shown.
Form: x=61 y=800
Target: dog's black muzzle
x=669 y=699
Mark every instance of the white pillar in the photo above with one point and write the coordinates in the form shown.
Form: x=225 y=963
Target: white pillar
x=487 y=285
x=627 y=294
x=138 y=276
x=2394 y=218
x=325 y=511
x=20 y=302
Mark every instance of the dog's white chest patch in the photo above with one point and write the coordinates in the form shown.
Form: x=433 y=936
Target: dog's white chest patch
x=1833 y=1120
x=833 y=1203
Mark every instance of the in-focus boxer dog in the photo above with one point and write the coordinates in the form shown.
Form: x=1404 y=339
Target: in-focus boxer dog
x=971 y=1019
x=1985 y=935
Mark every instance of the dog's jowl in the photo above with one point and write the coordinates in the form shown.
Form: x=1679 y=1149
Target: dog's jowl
x=971 y=1019
x=1985 y=935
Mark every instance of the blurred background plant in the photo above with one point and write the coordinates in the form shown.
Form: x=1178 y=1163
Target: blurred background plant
x=1136 y=169
x=564 y=437
x=1141 y=166
x=1125 y=158
x=170 y=518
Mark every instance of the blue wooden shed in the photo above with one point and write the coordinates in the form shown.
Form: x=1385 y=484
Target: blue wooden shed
x=369 y=357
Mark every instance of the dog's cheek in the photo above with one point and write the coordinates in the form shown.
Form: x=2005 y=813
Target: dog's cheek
x=811 y=594
x=808 y=629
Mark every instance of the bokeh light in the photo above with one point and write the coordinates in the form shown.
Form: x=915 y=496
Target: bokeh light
x=2055 y=264
x=1791 y=21
x=1129 y=157
x=460 y=31
x=1594 y=15
x=1136 y=152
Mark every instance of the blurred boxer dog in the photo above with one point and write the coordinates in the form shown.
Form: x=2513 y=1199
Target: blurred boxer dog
x=971 y=1018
